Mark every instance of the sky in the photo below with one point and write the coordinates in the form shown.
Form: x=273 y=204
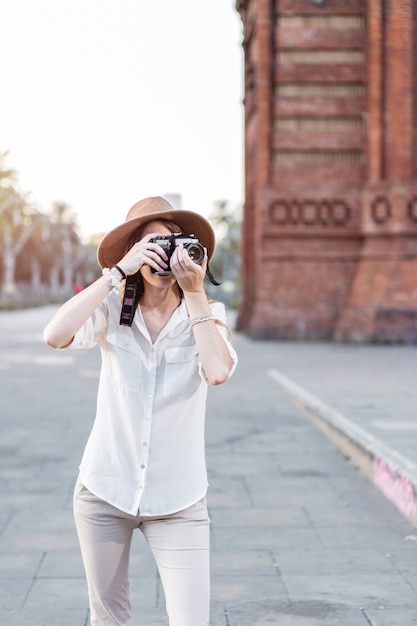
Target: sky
x=105 y=102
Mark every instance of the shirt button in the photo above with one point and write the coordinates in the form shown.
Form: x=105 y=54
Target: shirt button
x=149 y=396
x=143 y=466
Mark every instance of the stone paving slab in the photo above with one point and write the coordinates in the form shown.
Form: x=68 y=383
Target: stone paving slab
x=299 y=613
x=400 y=616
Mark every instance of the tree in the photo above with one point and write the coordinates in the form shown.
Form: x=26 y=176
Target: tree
x=12 y=226
x=225 y=264
x=38 y=248
x=61 y=247
x=18 y=222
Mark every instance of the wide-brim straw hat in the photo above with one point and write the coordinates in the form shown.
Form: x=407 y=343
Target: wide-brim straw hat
x=112 y=248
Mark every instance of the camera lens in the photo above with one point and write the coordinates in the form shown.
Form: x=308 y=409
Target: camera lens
x=196 y=252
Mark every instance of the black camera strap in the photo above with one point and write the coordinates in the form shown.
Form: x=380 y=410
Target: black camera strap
x=130 y=300
x=211 y=277
x=131 y=297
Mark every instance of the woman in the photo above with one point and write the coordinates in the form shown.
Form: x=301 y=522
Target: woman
x=144 y=462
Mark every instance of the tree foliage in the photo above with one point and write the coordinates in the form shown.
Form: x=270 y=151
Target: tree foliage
x=225 y=265
x=41 y=254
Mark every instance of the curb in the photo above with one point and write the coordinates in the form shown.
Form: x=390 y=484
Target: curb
x=391 y=472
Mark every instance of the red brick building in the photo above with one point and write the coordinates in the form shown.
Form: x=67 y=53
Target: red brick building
x=330 y=216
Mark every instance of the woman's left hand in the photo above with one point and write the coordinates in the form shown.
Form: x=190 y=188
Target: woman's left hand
x=188 y=274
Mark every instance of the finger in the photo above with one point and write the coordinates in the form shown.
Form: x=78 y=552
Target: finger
x=140 y=254
x=178 y=263
x=155 y=248
x=154 y=260
x=157 y=266
x=176 y=258
x=146 y=250
x=184 y=258
x=184 y=262
x=151 y=245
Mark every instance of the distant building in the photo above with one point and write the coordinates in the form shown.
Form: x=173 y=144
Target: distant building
x=330 y=218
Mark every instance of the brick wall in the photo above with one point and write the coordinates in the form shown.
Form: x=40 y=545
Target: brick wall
x=330 y=221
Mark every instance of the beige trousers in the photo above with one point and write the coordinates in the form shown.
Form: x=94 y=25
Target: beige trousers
x=179 y=543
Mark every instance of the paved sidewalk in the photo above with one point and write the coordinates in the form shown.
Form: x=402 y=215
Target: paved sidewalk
x=299 y=536
x=365 y=399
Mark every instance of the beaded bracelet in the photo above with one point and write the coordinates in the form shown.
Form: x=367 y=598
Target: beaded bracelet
x=111 y=279
x=198 y=320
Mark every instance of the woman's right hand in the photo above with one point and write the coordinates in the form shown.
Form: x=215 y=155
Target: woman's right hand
x=144 y=252
x=73 y=314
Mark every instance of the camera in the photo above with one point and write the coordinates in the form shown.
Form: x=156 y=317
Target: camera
x=170 y=242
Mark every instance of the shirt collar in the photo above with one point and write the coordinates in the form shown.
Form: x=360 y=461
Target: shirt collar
x=180 y=314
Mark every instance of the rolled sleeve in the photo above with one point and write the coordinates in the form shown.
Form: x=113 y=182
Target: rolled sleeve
x=90 y=333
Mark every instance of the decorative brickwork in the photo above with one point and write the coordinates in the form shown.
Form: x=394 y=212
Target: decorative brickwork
x=330 y=221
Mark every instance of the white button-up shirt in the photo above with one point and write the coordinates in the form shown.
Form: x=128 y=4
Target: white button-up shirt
x=146 y=448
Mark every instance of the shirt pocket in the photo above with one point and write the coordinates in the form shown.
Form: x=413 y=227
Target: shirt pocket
x=122 y=361
x=181 y=371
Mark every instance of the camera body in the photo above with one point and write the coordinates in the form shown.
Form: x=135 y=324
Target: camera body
x=170 y=242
